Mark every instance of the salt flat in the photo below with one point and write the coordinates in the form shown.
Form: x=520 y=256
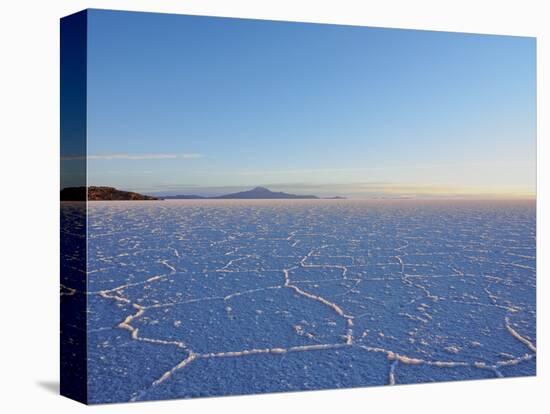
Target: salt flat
x=201 y=298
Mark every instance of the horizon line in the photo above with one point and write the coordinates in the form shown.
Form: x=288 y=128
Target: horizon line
x=376 y=193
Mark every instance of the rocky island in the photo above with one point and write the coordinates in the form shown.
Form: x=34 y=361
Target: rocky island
x=101 y=193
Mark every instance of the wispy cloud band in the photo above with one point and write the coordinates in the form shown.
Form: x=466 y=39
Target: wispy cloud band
x=133 y=157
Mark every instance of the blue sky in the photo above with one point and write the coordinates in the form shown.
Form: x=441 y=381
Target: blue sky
x=185 y=104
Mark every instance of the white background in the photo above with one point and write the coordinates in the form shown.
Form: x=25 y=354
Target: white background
x=29 y=163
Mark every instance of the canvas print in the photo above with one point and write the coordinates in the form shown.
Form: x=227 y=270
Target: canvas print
x=255 y=206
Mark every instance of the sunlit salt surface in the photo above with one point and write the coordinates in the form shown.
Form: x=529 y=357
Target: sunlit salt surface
x=201 y=298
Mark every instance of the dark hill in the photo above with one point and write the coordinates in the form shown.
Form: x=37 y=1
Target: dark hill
x=101 y=193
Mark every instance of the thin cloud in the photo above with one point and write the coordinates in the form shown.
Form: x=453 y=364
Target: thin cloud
x=134 y=157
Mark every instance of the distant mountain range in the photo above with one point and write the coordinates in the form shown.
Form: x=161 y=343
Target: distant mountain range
x=255 y=193
x=111 y=193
